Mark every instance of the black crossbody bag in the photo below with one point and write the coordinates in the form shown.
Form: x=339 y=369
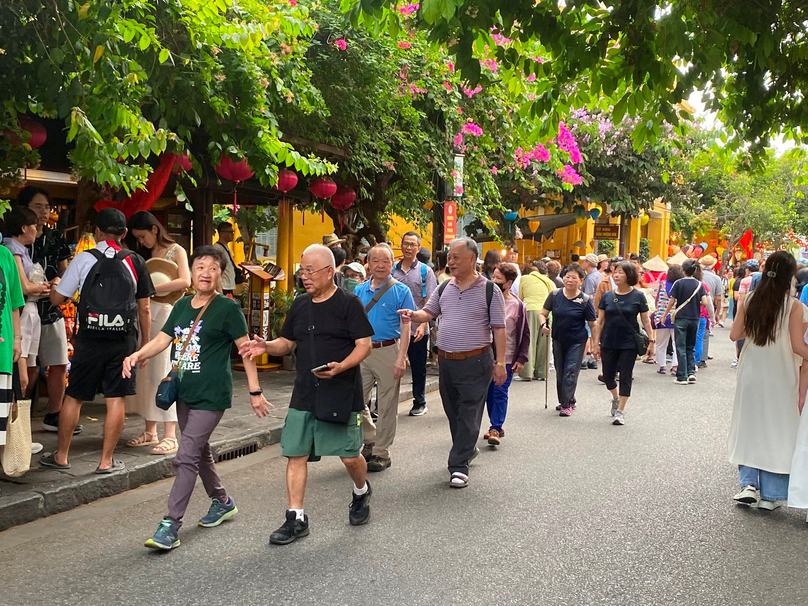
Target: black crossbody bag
x=333 y=398
x=641 y=339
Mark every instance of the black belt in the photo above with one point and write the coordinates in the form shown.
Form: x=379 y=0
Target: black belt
x=387 y=343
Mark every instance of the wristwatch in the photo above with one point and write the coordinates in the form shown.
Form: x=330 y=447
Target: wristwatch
x=652 y=340
x=257 y=393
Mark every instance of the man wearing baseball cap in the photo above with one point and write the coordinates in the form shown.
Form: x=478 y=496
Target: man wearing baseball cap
x=115 y=288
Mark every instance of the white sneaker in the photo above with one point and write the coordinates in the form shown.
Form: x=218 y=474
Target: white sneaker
x=36 y=448
x=770 y=505
x=734 y=363
x=615 y=404
x=692 y=379
x=748 y=496
x=618 y=418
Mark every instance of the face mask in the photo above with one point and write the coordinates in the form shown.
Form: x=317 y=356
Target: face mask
x=501 y=286
x=350 y=284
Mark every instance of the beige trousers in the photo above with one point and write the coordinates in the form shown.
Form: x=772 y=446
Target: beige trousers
x=377 y=369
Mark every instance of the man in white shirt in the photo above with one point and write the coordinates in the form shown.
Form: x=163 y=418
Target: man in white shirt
x=226 y=236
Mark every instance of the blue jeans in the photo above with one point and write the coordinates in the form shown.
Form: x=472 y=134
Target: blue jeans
x=772 y=486
x=685 y=338
x=568 y=357
x=417 y=354
x=700 y=339
x=497 y=401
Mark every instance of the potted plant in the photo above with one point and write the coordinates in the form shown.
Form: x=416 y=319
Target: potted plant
x=281 y=303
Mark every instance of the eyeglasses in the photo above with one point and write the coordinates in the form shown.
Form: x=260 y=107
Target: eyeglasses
x=410 y=245
x=311 y=272
x=41 y=208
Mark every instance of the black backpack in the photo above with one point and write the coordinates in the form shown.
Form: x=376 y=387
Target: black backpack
x=107 y=305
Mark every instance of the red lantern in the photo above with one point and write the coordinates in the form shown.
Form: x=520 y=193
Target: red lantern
x=323 y=187
x=343 y=198
x=181 y=164
x=287 y=179
x=37 y=132
x=234 y=171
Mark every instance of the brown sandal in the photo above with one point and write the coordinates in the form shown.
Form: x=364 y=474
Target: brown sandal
x=142 y=440
x=167 y=446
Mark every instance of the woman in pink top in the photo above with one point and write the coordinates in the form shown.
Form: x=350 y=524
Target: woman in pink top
x=517 y=343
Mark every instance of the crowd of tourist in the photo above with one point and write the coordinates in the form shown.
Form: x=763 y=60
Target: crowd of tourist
x=357 y=324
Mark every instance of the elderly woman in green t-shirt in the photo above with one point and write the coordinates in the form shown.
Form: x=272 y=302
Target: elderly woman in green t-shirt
x=200 y=330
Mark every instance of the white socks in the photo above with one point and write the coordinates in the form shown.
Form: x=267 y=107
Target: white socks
x=298 y=513
x=360 y=491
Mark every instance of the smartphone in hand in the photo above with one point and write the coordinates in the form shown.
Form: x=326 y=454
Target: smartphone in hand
x=320 y=368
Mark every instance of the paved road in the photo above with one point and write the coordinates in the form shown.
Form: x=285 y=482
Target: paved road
x=567 y=511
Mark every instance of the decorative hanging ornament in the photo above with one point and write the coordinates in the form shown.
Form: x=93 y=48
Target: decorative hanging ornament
x=595 y=211
x=37 y=135
x=428 y=205
x=580 y=222
x=182 y=164
x=323 y=188
x=343 y=198
x=236 y=172
x=287 y=180
x=511 y=215
x=644 y=219
x=534 y=225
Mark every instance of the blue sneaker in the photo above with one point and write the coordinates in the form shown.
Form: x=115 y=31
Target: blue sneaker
x=219 y=512
x=166 y=537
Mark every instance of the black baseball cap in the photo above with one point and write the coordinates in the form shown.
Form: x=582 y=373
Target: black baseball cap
x=111 y=221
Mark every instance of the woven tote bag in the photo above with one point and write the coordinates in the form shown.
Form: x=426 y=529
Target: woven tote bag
x=16 y=457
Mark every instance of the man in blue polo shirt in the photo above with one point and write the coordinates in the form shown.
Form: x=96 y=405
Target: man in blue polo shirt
x=383 y=297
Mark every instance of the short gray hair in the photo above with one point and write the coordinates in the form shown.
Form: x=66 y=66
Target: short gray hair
x=321 y=251
x=469 y=243
x=383 y=246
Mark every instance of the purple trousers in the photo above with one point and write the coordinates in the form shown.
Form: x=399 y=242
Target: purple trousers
x=194 y=458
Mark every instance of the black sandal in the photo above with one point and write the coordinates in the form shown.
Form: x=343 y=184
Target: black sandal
x=50 y=461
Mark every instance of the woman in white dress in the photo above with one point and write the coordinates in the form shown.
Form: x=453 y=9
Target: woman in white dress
x=154 y=242
x=763 y=430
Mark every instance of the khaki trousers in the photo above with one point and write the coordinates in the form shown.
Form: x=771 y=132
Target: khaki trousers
x=377 y=369
x=537 y=354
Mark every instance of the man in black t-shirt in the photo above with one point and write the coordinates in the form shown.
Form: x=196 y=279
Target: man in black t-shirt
x=333 y=336
x=687 y=296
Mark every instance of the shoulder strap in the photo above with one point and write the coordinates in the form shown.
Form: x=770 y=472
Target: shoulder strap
x=680 y=307
x=371 y=304
x=489 y=296
x=442 y=287
x=191 y=333
x=622 y=315
x=423 y=280
x=97 y=254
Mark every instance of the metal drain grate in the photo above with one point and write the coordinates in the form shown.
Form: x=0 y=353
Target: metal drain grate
x=236 y=453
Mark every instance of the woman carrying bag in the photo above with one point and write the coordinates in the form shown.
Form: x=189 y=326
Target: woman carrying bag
x=201 y=331
x=618 y=338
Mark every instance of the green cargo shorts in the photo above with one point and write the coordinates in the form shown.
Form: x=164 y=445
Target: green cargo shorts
x=304 y=435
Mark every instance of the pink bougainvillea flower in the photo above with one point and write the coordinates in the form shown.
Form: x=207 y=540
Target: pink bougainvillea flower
x=409 y=9
x=341 y=44
x=447 y=86
x=458 y=140
x=532 y=78
x=494 y=170
x=459 y=111
x=404 y=45
x=471 y=92
x=293 y=2
x=569 y=175
x=450 y=65
x=472 y=129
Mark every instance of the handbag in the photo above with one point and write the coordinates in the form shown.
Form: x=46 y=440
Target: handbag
x=169 y=388
x=333 y=398
x=641 y=339
x=16 y=457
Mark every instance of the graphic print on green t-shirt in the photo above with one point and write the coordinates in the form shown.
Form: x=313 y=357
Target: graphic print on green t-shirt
x=206 y=381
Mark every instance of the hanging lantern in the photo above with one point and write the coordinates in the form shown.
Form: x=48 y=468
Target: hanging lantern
x=703 y=246
x=644 y=219
x=580 y=222
x=428 y=205
x=595 y=211
x=511 y=215
x=534 y=225
x=323 y=187
x=182 y=164
x=236 y=172
x=287 y=180
x=343 y=198
x=37 y=133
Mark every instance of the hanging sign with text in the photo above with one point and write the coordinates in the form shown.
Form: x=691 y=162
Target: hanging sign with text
x=449 y=221
x=606 y=232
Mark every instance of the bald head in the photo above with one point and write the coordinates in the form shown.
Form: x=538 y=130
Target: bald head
x=317 y=255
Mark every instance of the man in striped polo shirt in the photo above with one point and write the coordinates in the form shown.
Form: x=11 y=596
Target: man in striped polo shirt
x=470 y=310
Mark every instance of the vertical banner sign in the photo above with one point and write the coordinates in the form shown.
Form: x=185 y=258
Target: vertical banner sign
x=449 y=221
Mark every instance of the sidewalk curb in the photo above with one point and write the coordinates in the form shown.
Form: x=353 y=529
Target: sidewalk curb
x=57 y=497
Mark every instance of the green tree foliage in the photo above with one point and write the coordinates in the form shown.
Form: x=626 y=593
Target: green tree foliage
x=642 y=56
x=132 y=78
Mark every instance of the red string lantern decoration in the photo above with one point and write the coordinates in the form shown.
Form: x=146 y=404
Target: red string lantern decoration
x=182 y=164
x=37 y=133
x=287 y=180
x=234 y=171
x=341 y=201
x=323 y=188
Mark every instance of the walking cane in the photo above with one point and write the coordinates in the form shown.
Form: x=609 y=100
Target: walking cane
x=546 y=371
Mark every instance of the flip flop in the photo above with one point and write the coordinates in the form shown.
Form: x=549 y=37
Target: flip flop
x=116 y=466
x=50 y=461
